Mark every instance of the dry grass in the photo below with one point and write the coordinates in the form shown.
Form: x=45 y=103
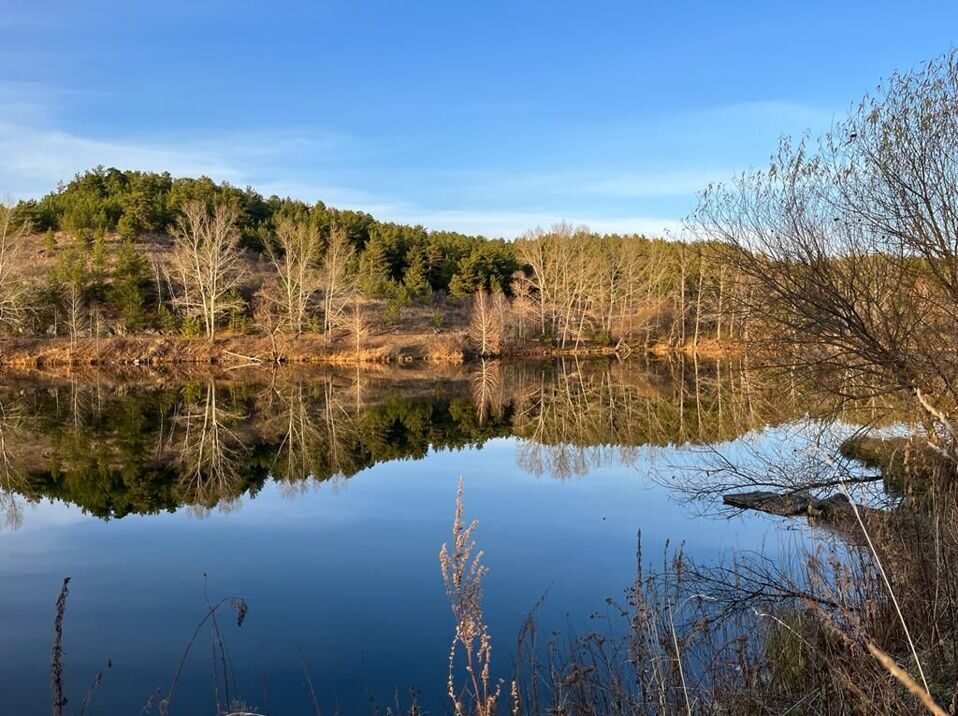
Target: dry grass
x=228 y=351
x=447 y=350
x=919 y=692
x=823 y=634
x=462 y=573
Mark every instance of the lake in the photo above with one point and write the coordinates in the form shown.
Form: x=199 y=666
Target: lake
x=322 y=497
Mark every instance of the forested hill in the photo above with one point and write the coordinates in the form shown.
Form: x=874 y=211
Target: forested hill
x=120 y=252
x=134 y=203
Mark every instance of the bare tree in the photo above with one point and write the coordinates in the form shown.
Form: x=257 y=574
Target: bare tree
x=269 y=316
x=852 y=245
x=12 y=233
x=295 y=253
x=207 y=257
x=524 y=307
x=358 y=326
x=582 y=285
x=72 y=274
x=336 y=282
x=485 y=325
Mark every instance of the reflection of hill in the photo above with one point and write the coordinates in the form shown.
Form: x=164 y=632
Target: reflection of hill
x=115 y=453
x=114 y=449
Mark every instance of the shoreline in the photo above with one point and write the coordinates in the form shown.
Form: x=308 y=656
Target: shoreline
x=234 y=350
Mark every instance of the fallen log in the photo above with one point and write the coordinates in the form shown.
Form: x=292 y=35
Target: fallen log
x=790 y=504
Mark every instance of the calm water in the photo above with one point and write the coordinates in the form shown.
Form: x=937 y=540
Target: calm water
x=322 y=499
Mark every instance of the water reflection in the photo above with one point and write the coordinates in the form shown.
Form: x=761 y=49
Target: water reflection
x=11 y=476
x=315 y=569
x=114 y=448
x=210 y=452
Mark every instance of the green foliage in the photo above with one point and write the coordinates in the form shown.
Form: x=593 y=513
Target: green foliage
x=416 y=278
x=130 y=286
x=314 y=324
x=192 y=393
x=444 y=250
x=99 y=264
x=394 y=242
x=374 y=270
x=239 y=319
x=602 y=338
x=190 y=327
x=40 y=216
x=72 y=268
x=489 y=265
x=167 y=319
x=395 y=306
x=133 y=203
x=46 y=298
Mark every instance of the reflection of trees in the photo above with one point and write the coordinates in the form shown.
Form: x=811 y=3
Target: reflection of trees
x=295 y=455
x=115 y=450
x=575 y=416
x=338 y=426
x=209 y=453
x=315 y=432
x=486 y=390
x=11 y=477
x=803 y=458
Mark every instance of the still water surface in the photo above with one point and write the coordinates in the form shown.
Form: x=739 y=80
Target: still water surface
x=322 y=500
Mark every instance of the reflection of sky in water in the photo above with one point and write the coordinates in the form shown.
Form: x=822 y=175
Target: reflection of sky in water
x=348 y=571
x=803 y=455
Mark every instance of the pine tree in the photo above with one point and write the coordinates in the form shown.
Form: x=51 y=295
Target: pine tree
x=99 y=264
x=71 y=280
x=131 y=279
x=416 y=278
x=374 y=269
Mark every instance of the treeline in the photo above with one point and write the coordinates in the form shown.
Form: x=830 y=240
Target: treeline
x=125 y=251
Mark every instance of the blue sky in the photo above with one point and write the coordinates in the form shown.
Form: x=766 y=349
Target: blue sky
x=487 y=117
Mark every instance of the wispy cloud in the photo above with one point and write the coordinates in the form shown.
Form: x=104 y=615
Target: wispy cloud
x=37 y=152
x=510 y=224
x=631 y=184
x=35 y=159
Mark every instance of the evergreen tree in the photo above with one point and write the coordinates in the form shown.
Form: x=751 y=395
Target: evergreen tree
x=70 y=277
x=374 y=270
x=416 y=278
x=130 y=285
x=99 y=264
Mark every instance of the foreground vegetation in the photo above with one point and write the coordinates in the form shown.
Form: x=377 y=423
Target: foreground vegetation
x=852 y=246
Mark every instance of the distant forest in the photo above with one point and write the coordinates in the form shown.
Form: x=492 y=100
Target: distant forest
x=132 y=204
x=121 y=252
